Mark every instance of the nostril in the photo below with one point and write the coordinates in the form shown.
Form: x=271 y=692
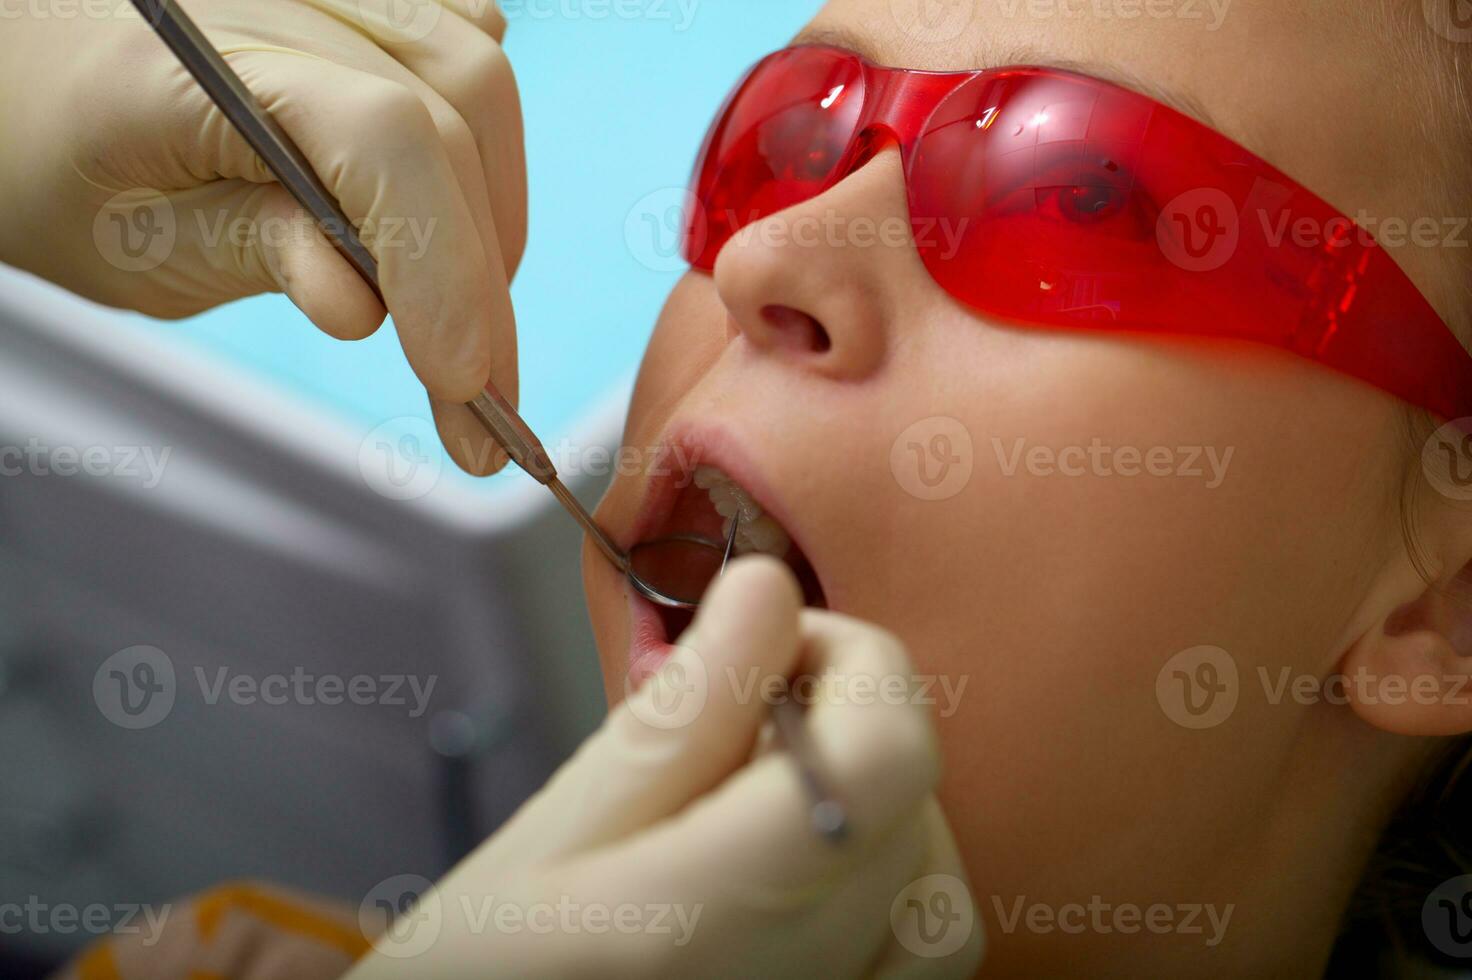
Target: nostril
x=796 y=330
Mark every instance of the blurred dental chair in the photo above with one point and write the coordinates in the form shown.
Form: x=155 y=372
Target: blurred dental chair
x=260 y=545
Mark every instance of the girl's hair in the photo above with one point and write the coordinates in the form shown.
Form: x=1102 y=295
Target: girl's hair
x=1427 y=842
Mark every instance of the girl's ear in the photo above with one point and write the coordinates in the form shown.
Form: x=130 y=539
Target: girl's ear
x=1411 y=673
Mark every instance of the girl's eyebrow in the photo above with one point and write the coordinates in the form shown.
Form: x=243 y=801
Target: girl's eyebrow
x=866 y=45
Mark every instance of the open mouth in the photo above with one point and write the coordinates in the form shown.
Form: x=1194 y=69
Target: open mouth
x=704 y=507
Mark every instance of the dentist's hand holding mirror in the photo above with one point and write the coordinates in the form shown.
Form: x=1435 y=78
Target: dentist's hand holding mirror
x=674 y=844
x=129 y=187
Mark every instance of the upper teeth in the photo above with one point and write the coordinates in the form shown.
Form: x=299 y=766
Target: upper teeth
x=757 y=532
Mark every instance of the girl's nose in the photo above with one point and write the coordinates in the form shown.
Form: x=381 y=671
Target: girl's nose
x=817 y=284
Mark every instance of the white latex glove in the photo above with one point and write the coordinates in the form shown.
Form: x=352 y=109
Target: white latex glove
x=666 y=807
x=120 y=181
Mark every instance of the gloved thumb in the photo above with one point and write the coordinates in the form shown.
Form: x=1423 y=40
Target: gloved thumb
x=682 y=733
x=256 y=238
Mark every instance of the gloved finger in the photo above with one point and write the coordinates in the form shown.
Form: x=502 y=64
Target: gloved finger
x=381 y=15
x=937 y=929
x=403 y=236
x=730 y=919
x=378 y=149
x=466 y=440
x=651 y=907
x=469 y=73
x=486 y=15
x=257 y=237
x=877 y=755
x=681 y=734
x=873 y=734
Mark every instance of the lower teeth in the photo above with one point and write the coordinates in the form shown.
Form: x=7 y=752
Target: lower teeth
x=757 y=532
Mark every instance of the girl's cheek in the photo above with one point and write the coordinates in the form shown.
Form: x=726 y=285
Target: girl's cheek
x=688 y=337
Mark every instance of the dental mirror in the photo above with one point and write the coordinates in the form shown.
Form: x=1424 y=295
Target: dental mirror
x=675 y=571
x=684 y=566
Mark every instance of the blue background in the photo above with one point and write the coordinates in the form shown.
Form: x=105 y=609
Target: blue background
x=615 y=109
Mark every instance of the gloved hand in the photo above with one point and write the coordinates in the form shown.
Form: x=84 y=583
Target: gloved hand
x=120 y=181
x=665 y=815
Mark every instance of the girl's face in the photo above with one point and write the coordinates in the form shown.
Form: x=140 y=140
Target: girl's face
x=1047 y=518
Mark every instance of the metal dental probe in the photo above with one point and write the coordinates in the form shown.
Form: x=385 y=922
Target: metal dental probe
x=286 y=161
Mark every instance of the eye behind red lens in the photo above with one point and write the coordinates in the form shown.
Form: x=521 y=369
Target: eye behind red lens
x=1028 y=202
x=780 y=141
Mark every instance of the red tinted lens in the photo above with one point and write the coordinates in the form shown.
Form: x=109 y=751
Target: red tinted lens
x=1045 y=193
x=779 y=142
x=1056 y=199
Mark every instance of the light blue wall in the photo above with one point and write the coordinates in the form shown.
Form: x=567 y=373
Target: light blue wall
x=615 y=109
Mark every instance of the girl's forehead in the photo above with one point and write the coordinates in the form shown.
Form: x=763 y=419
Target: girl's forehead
x=866 y=46
x=1288 y=79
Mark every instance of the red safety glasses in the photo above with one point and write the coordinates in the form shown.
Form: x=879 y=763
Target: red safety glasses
x=1051 y=198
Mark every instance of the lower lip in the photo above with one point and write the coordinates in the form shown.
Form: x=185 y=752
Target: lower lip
x=649 y=647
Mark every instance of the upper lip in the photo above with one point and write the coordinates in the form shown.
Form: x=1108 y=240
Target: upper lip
x=685 y=447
